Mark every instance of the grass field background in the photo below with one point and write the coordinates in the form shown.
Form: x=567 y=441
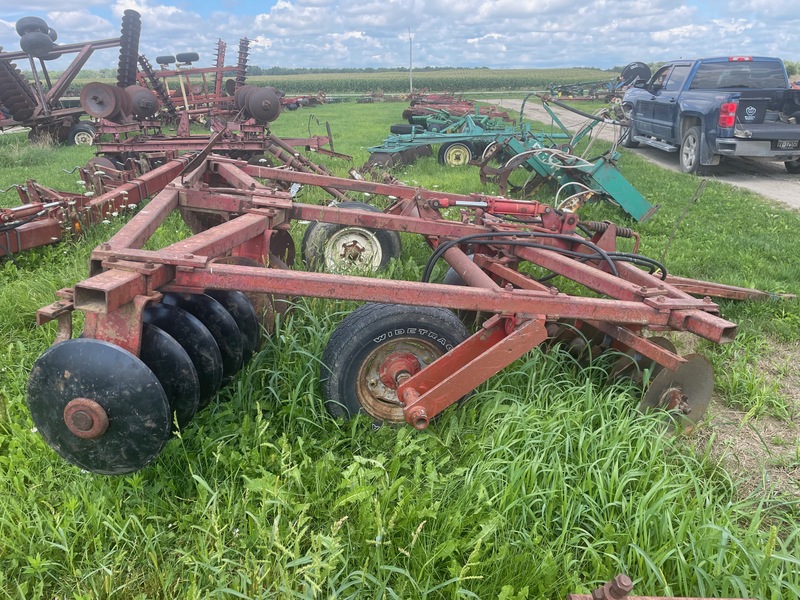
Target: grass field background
x=547 y=481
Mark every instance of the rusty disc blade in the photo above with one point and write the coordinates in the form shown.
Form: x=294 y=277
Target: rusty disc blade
x=683 y=394
x=144 y=103
x=124 y=106
x=240 y=97
x=99 y=100
x=264 y=104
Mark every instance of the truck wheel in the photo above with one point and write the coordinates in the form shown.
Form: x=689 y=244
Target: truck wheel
x=793 y=166
x=690 y=151
x=628 y=133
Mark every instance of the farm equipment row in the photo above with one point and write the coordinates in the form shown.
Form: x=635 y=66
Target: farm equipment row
x=547 y=157
x=47 y=216
x=41 y=109
x=185 y=91
x=165 y=328
x=424 y=105
x=603 y=89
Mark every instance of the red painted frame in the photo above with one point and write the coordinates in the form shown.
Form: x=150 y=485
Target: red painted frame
x=125 y=277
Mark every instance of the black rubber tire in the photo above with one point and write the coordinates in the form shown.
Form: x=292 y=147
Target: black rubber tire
x=165 y=60
x=29 y=24
x=36 y=43
x=456 y=154
x=53 y=54
x=405 y=129
x=52 y=33
x=79 y=134
x=793 y=166
x=628 y=133
x=689 y=152
x=317 y=236
x=369 y=333
x=187 y=57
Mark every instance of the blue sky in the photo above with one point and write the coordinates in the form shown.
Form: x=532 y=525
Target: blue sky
x=467 y=33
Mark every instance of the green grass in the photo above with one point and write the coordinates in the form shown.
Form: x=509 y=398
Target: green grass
x=546 y=481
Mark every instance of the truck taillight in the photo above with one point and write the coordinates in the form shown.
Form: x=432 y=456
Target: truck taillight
x=727 y=114
x=740 y=59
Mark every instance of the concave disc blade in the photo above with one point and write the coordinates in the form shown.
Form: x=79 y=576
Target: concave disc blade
x=693 y=381
x=196 y=339
x=264 y=104
x=221 y=325
x=266 y=305
x=143 y=101
x=120 y=385
x=171 y=364
x=101 y=163
x=243 y=312
x=99 y=100
x=124 y=106
x=240 y=96
x=22 y=114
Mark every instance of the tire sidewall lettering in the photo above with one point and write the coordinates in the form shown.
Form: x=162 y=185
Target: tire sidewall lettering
x=414 y=332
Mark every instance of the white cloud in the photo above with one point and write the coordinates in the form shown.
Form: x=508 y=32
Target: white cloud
x=495 y=33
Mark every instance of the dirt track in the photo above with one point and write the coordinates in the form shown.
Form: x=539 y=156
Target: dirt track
x=768 y=179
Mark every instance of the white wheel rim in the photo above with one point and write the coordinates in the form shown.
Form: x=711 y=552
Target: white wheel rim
x=688 y=151
x=83 y=138
x=353 y=248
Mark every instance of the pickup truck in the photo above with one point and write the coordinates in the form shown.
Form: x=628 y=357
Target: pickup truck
x=713 y=107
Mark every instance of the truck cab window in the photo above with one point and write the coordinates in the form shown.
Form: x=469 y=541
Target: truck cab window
x=658 y=80
x=676 y=78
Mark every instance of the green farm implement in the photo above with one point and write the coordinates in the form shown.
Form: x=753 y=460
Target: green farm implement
x=548 y=157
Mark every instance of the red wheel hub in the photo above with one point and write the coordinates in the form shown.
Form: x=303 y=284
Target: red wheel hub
x=397 y=365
